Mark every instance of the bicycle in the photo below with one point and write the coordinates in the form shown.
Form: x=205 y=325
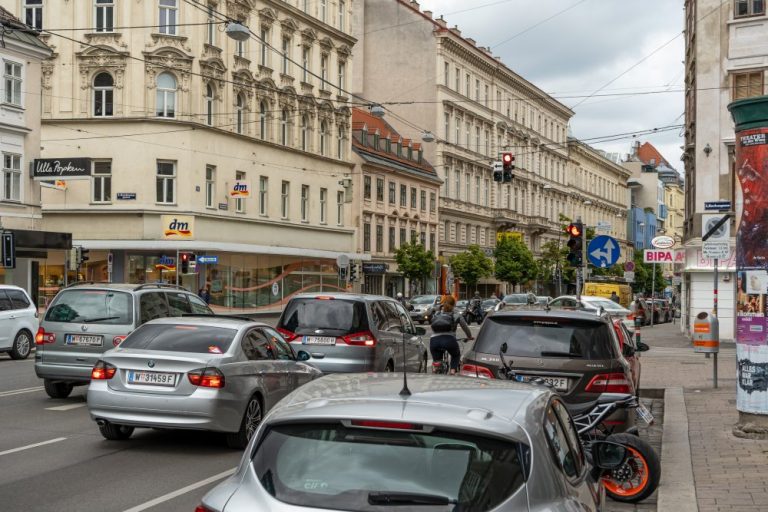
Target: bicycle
x=443 y=366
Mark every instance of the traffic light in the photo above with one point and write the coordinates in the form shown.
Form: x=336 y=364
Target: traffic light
x=352 y=272
x=575 y=231
x=498 y=173
x=508 y=165
x=185 y=257
x=84 y=255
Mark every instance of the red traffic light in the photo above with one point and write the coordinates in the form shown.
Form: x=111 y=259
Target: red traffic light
x=184 y=256
x=573 y=230
x=507 y=158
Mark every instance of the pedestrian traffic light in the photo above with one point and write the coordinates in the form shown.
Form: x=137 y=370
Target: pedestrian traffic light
x=575 y=232
x=508 y=165
x=498 y=173
x=185 y=258
x=352 y=272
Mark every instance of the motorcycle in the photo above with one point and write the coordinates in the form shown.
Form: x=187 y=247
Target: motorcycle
x=474 y=313
x=639 y=475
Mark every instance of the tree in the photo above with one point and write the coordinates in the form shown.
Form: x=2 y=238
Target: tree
x=514 y=261
x=414 y=262
x=471 y=265
x=644 y=276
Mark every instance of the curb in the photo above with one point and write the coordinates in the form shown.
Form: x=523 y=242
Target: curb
x=677 y=492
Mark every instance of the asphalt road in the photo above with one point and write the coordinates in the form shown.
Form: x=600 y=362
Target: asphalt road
x=52 y=457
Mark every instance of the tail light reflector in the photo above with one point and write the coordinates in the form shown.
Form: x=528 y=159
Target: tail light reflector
x=206 y=378
x=118 y=340
x=609 y=383
x=363 y=339
x=473 y=370
x=103 y=371
x=42 y=337
x=288 y=335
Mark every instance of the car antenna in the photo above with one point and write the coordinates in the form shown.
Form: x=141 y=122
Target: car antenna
x=405 y=391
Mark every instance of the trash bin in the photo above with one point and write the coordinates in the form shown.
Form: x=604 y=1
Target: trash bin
x=706 y=334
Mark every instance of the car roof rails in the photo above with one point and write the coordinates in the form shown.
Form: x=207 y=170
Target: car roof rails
x=159 y=285
x=214 y=315
x=81 y=283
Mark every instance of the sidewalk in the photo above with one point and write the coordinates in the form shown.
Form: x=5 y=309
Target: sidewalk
x=727 y=473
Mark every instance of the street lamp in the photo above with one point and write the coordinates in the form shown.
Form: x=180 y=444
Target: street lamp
x=237 y=31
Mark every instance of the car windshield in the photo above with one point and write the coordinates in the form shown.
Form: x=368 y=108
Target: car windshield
x=198 y=339
x=91 y=306
x=489 y=303
x=517 y=298
x=424 y=299
x=607 y=305
x=336 y=317
x=462 y=303
x=333 y=466
x=546 y=337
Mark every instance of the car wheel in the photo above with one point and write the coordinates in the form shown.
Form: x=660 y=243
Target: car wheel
x=249 y=424
x=22 y=345
x=57 y=389
x=114 y=432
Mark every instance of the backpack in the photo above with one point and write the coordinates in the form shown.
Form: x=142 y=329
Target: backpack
x=443 y=322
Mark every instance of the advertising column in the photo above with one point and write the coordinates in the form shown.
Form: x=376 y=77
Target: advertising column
x=751 y=118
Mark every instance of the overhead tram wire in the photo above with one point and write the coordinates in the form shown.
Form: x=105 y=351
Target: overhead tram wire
x=555 y=15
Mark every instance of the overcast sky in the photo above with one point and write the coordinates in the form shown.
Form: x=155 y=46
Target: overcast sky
x=583 y=48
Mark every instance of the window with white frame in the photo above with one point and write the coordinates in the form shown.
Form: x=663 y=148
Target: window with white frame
x=341 y=77
x=340 y=207
x=13 y=81
x=211 y=27
x=305 y=5
x=286 y=56
x=323 y=10
x=209 y=105
x=304 y=133
x=240 y=114
x=285 y=132
x=263 y=193
x=342 y=13
x=210 y=186
x=446 y=74
x=239 y=201
x=103 y=95
x=102 y=181
x=305 y=63
x=323 y=205
x=169 y=12
x=33 y=14
x=305 y=203
x=104 y=15
x=285 y=197
x=323 y=72
x=166 y=95
x=11 y=177
x=264 y=37
x=263 y=120
x=323 y=138
x=166 y=182
x=340 y=144
x=432 y=202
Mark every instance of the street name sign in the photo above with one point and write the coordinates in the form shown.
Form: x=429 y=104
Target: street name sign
x=603 y=251
x=717 y=206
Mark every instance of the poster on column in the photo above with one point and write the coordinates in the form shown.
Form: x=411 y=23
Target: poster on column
x=751 y=288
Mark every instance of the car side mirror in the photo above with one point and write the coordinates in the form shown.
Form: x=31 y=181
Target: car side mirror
x=627 y=350
x=303 y=355
x=642 y=347
x=420 y=331
x=607 y=455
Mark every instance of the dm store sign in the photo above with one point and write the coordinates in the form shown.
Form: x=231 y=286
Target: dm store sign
x=240 y=189
x=178 y=227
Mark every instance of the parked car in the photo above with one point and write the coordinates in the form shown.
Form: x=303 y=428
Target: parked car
x=489 y=304
x=357 y=443
x=543 y=300
x=354 y=333
x=646 y=318
x=424 y=307
x=574 y=351
x=662 y=310
x=205 y=373
x=596 y=304
x=516 y=301
x=630 y=349
x=85 y=320
x=461 y=306
x=18 y=321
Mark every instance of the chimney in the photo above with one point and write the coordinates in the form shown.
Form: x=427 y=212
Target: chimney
x=415 y=5
x=471 y=41
x=456 y=30
x=636 y=148
x=441 y=21
x=428 y=14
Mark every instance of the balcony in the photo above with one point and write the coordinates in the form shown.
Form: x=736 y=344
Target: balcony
x=506 y=218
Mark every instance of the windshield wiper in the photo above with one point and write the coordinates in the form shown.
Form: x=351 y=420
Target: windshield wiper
x=408 y=498
x=551 y=353
x=89 y=320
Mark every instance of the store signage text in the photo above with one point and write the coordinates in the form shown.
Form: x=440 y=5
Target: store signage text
x=663 y=256
x=61 y=168
x=176 y=227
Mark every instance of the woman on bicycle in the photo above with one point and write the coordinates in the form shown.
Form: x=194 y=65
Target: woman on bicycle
x=443 y=340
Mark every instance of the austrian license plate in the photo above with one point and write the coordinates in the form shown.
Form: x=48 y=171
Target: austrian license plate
x=644 y=414
x=318 y=340
x=559 y=383
x=84 y=339
x=151 y=378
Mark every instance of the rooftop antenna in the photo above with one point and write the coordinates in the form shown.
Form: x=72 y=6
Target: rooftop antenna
x=405 y=391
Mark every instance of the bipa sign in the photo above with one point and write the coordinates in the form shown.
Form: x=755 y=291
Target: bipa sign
x=177 y=227
x=663 y=256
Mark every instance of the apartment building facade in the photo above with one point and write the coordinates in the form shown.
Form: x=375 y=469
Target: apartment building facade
x=197 y=142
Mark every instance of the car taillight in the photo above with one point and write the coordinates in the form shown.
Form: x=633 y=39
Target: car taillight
x=103 y=371
x=473 y=370
x=363 y=339
x=42 y=337
x=395 y=425
x=288 y=335
x=609 y=383
x=202 y=508
x=118 y=340
x=206 y=378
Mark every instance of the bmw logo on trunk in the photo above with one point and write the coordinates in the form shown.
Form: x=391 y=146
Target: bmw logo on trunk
x=151 y=363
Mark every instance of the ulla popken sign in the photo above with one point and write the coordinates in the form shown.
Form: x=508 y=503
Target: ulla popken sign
x=61 y=168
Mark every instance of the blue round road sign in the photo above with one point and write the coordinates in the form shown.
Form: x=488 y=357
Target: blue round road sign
x=603 y=251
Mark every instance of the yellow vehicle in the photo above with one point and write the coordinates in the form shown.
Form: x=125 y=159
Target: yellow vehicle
x=606 y=289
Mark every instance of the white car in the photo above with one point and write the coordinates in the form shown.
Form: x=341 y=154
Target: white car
x=18 y=321
x=595 y=303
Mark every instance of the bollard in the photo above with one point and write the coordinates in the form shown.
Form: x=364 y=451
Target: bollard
x=706 y=338
x=638 y=323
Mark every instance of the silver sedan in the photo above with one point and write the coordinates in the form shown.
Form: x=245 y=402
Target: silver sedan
x=357 y=442
x=205 y=373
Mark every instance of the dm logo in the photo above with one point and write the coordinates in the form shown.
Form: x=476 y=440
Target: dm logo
x=177 y=228
x=240 y=189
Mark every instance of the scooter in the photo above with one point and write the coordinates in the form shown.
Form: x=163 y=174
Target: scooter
x=474 y=313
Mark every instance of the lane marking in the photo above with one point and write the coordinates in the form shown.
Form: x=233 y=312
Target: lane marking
x=67 y=407
x=20 y=391
x=179 y=492
x=22 y=448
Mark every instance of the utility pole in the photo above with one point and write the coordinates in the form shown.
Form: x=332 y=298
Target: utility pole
x=584 y=261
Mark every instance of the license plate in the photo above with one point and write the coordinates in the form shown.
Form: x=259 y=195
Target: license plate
x=151 y=378
x=84 y=339
x=644 y=414
x=318 y=340
x=559 y=383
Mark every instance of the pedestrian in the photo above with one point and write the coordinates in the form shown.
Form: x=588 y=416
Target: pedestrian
x=205 y=293
x=614 y=297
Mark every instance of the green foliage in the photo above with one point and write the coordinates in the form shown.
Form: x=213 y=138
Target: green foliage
x=414 y=262
x=552 y=258
x=471 y=265
x=514 y=262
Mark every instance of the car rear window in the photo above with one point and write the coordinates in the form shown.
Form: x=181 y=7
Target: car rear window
x=546 y=337
x=334 y=316
x=516 y=299
x=333 y=466
x=91 y=306
x=200 y=339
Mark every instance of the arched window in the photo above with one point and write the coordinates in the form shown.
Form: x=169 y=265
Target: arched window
x=209 y=99
x=323 y=138
x=103 y=90
x=239 y=114
x=166 y=95
x=304 y=133
x=284 y=128
x=340 y=143
x=263 y=120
